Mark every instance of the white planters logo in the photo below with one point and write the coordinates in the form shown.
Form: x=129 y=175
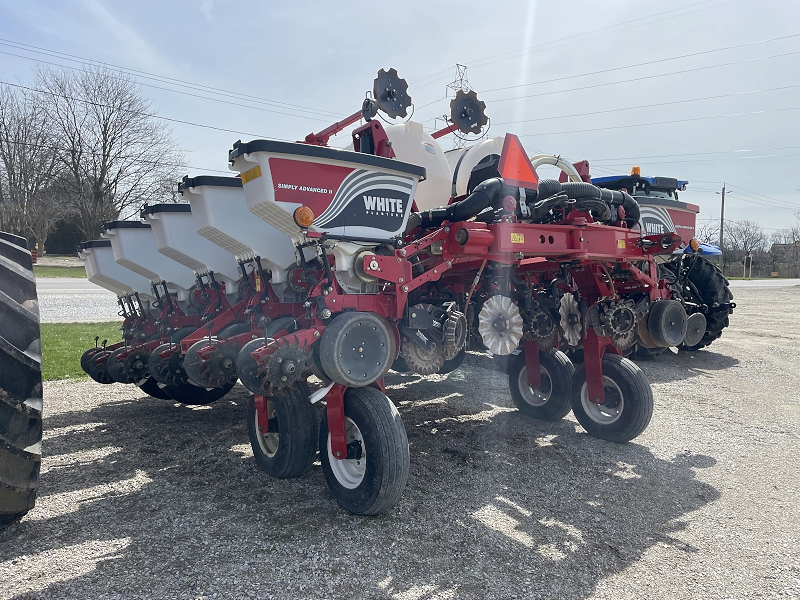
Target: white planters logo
x=375 y=205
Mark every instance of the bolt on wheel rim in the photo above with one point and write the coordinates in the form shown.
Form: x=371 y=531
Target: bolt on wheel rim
x=268 y=442
x=535 y=397
x=607 y=413
x=349 y=472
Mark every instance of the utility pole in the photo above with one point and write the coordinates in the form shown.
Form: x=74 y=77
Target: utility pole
x=722 y=230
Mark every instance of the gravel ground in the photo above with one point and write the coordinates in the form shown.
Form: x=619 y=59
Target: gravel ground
x=143 y=498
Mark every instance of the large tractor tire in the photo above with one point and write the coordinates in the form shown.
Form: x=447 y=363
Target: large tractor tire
x=20 y=381
x=709 y=282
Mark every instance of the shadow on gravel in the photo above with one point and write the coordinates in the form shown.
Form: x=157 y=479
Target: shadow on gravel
x=148 y=499
x=676 y=367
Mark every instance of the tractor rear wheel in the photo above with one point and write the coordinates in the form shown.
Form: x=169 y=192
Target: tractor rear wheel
x=714 y=292
x=20 y=381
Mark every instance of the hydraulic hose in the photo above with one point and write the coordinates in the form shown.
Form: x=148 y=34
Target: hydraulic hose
x=483 y=196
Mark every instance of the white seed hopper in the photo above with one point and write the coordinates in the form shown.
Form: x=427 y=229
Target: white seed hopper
x=356 y=196
x=177 y=238
x=220 y=213
x=135 y=249
x=103 y=270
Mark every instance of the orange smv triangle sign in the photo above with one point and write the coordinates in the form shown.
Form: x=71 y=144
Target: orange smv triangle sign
x=515 y=166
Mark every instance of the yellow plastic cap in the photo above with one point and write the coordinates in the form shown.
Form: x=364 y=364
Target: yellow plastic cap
x=636 y=172
x=694 y=245
x=304 y=216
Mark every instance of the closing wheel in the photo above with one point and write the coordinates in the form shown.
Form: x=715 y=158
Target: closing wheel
x=187 y=393
x=666 y=323
x=129 y=365
x=150 y=387
x=374 y=479
x=290 y=445
x=451 y=365
x=98 y=367
x=357 y=348
x=246 y=365
x=86 y=358
x=549 y=402
x=695 y=331
x=628 y=405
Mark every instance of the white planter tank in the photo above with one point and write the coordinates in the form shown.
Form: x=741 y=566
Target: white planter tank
x=220 y=214
x=177 y=238
x=103 y=270
x=463 y=160
x=412 y=144
x=135 y=248
x=360 y=197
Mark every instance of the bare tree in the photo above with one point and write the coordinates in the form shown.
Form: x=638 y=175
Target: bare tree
x=707 y=233
x=742 y=238
x=115 y=155
x=28 y=166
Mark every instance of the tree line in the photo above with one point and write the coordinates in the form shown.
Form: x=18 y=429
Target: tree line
x=778 y=252
x=81 y=146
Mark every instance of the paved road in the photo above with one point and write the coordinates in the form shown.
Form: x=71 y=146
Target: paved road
x=73 y=300
x=764 y=283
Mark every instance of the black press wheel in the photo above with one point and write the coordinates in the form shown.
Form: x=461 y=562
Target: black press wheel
x=86 y=358
x=186 y=393
x=373 y=480
x=150 y=387
x=357 y=348
x=628 y=405
x=454 y=363
x=290 y=446
x=550 y=402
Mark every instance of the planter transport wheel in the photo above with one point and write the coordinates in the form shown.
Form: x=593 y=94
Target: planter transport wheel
x=20 y=381
x=150 y=387
x=372 y=479
x=128 y=365
x=357 y=348
x=551 y=401
x=289 y=446
x=628 y=403
x=187 y=393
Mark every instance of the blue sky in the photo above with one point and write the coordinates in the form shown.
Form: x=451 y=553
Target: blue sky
x=728 y=112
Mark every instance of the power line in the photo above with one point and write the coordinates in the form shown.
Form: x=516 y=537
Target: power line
x=580 y=36
x=613 y=110
x=184 y=93
x=643 y=64
x=755 y=112
x=154 y=76
x=134 y=112
x=646 y=77
x=696 y=154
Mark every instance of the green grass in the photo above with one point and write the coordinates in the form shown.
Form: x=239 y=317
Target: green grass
x=41 y=271
x=63 y=344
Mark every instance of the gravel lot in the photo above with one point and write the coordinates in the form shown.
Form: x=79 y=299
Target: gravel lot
x=145 y=498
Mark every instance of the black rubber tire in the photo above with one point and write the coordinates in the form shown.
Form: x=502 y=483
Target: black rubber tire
x=335 y=352
x=296 y=438
x=637 y=400
x=150 y=387
x=385 y=445
x=640 y=352
x=454 y=363
x=713 y=288
x=20 y=381
x=557 y=371
x=196 y=396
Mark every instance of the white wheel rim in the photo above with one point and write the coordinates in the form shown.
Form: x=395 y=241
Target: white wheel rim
x=601 y=413
x=268 y=442
x=349 y=472
x=538 y=397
